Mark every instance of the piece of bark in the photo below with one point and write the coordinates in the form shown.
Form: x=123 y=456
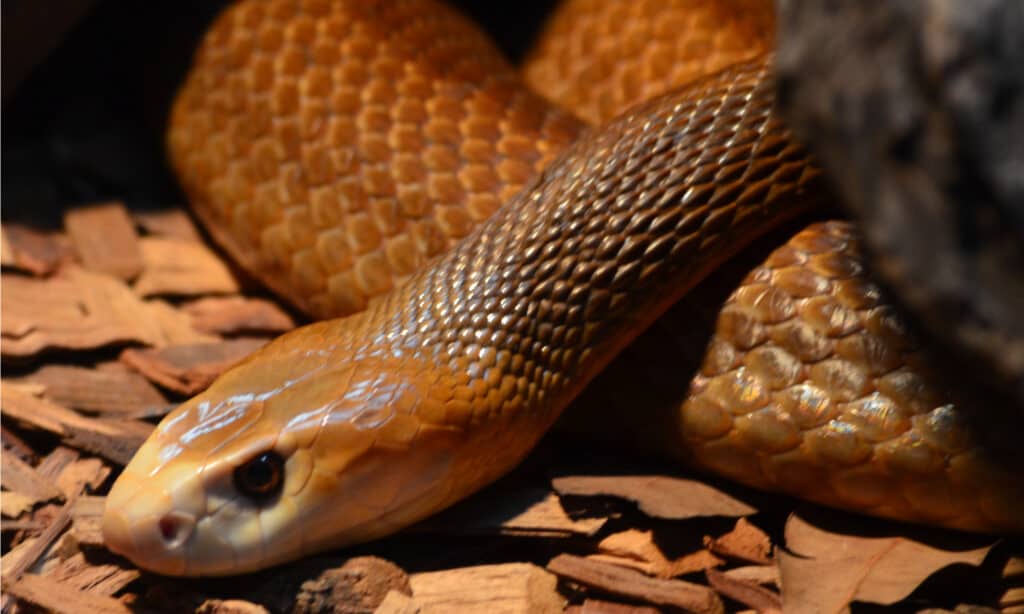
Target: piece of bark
x=360 y=585
x=59 y=598
x=31 y=554
x=81 y=475
x=827 y=570
x=14 y=504
x=114 y=390
x=758 y=574
x=182 y=268
x=87 y=520
x=748 y=593
x=169 y=223
x=635 y=585
x=26 y=524
x=175 y=326
x=1012 y=600
x=97 y=579
x=233 y=315
x=189 y=369
x=17 y=552
x=30 y=251
x=397 y=603
x=53 y=464
x=105 y=239
x=73 y=310
x=596 y=606
x=546 y=515
x=745 y=542
x=19 y=476
x=508 y=588
x=1014 y=568
x=637 y=549
x=522 y=512
x=656 y=495
x=15 y=445
x=17 y=403
x=115 y=440
x=230 y=606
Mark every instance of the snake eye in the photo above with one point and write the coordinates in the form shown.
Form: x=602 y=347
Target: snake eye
x=260 y=477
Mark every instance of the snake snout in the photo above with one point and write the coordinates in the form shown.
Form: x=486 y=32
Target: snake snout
x=151 y=516
x=154 y=536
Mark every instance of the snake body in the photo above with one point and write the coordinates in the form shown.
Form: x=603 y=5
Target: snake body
x=450 y=373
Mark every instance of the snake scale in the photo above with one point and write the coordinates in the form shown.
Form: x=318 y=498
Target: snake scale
x=382 y=159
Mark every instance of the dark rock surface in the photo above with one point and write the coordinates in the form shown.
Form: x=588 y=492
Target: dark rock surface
x=916 y=110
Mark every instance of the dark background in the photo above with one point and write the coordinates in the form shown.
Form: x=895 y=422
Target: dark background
x=87 y=85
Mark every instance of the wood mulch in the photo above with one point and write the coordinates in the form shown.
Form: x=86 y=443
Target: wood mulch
x=109 y=323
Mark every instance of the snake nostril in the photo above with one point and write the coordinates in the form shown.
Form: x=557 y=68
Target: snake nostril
x=168 y=528
x=175 y=528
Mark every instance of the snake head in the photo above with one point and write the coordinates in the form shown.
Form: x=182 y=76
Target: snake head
x=283 y=456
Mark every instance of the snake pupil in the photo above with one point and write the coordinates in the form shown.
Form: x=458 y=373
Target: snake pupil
x=260 y=477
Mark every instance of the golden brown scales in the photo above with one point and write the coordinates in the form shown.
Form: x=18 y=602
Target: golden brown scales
x=305 y=137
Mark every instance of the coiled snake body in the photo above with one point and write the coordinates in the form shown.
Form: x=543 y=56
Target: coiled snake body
x=335 y=148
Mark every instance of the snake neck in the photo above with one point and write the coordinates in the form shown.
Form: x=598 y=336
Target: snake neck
x=522 y=313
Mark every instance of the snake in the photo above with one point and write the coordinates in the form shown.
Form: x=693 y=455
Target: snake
x=474 y=255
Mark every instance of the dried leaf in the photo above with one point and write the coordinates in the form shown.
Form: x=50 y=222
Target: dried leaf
x=182 y=268
x=635 y=585
x=189 y=369
x=748 y=593
x=105 y=239
x=30 y=251
x=745 y=542
x=112 y=390
x=233 y=315
x=74 y=310
x=828 y=570
x=486 y=589
x=656 y=495
x=169 y=223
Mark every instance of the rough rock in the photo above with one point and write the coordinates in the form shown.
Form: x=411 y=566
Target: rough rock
x=916 y=110
x=358 y=586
